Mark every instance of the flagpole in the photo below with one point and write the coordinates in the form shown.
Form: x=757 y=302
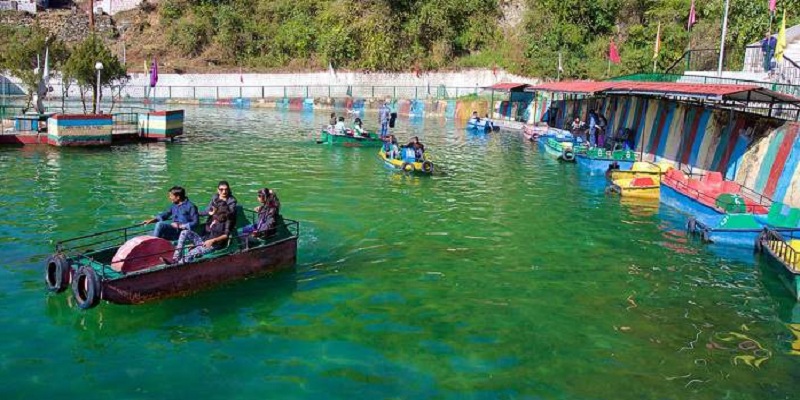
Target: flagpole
x=722 y=41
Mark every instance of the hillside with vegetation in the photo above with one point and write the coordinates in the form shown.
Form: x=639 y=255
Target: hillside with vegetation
x=521 y=36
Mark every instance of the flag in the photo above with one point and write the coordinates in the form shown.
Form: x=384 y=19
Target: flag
x=46 y=73
x=772 y=6
x=657 y=46
x=560 y=67
x=692 y=17
x=613 y=54
x=781 y=45
x=154 y=73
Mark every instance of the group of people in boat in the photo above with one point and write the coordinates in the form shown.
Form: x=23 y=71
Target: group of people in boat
x=476 y=120
x=337 y=126
x=181 y=221
x=414 y=149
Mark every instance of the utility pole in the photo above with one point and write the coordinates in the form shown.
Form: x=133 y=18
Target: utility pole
x=91 y=15
x=722 y=41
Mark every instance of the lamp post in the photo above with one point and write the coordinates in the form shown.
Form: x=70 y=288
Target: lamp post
x=99 y=67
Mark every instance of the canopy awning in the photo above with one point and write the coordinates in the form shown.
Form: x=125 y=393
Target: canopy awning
x=508 y=87
x=714 y=92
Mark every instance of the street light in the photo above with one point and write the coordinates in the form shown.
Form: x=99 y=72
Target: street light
x=98 y=67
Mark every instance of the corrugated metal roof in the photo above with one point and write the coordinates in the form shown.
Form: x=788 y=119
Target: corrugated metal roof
x=751 y=93
x=506 y=86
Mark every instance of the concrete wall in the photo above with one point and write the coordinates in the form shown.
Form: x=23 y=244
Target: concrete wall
x=759 y=152
x=22 y=5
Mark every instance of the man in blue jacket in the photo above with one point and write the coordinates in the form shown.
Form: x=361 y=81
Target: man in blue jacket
x=183 y=214
x=768 y=50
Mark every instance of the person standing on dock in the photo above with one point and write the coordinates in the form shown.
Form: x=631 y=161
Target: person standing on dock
x=182 y=212
x=384 y=115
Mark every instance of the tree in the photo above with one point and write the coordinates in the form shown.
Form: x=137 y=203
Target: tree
x=19 y=53
x=81 y=67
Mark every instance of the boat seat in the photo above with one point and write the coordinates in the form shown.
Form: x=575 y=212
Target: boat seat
x=642 y=181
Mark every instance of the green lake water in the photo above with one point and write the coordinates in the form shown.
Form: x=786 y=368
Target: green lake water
x=505 y=275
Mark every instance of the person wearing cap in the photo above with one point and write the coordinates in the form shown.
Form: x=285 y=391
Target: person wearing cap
x=384 y=115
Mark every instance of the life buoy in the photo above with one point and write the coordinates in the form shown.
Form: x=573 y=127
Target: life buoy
x=427 y=167
x=408 y=167
x=691 y=225
x=56 y=273
x=568 y=155
x=86 y=287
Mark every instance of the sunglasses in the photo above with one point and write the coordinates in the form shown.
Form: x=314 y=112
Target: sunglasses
x=223 y=189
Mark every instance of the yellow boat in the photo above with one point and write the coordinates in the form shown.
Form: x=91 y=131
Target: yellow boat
x=642 y=187
x=641 y=168
x=421 y=167
x=788 y=252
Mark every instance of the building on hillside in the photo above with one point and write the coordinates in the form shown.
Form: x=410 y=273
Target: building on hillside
x=112 y=7
x=29 y=6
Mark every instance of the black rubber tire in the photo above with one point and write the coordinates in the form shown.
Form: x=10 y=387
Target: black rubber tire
x=427 y=167
x=691 y=225
x=86 y=288
x=56 y=273
x=407 y=167
x=568 y=155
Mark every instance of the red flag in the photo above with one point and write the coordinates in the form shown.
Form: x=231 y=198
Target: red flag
x=773 y=5
x=692 y=17
x=613 y=54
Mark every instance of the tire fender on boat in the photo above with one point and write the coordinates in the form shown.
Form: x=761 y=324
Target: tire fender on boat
x=758 y=246
x=568 y=155
x=408 y=167
x=691 y=225
x=86 y=287
x=427 y=167
x=56 y=273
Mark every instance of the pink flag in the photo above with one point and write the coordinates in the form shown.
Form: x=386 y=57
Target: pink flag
x=692 y=17
x=772 y=5
x=613 y=54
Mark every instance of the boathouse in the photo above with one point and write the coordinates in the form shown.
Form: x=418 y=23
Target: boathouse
x=746 y=132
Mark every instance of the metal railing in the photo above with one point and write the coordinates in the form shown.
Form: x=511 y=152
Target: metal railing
x=136 y=93
x=754 y=201
x=779 y=246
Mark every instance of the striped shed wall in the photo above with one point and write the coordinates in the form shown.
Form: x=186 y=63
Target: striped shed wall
x=161 y=124
x=79 y=130
x=758 y=152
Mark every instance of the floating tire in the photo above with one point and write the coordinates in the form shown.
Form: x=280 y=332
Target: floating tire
x=568 y=155
x=56 y=273
x=691 y=225
x=407 y=167
x=427 y=167
x=86 y=287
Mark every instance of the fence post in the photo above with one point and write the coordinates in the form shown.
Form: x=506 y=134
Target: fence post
x=216 y=96
x=170 y=92
x=284 y=92
x=329 y=91
x=415 y=92
x=240 y=92
x=262 y=92
x=194 y=92
x=394 y=92
x=373 y=92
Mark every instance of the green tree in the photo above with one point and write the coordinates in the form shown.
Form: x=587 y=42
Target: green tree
x=19 y=52
x=80 y=67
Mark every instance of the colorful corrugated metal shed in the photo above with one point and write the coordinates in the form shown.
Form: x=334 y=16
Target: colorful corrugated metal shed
x=718 y=92
x=508 y=87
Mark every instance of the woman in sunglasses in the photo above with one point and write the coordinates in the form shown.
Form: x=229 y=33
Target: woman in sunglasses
x=223 y=197
x=268 y=211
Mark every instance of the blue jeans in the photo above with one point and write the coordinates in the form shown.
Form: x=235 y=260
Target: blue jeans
x=164 y=230
x=384 y=128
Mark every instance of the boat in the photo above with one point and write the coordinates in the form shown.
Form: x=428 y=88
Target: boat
x=744 y=229
x=106 y=266
x=562 y=145
x=640 y=168
x=709 y=195
x=643 y=187
x=783 y=250
x=408 y=162
x=481 y=125
x=533 y=132
x=598 y=159
x=349 y=140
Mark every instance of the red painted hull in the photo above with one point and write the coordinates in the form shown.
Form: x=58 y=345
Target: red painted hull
x=137 y=288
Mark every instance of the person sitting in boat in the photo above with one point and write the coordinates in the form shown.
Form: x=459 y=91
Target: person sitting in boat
x=224 y=196
x=489 y=123
x=390 y=148
x=577 y=126
x=475 y=118
x=339 y=128
x=267 y=211
x=358 y=129
x=418 y=147
x=182 y=212
x=332 y=121
x=217 y=231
